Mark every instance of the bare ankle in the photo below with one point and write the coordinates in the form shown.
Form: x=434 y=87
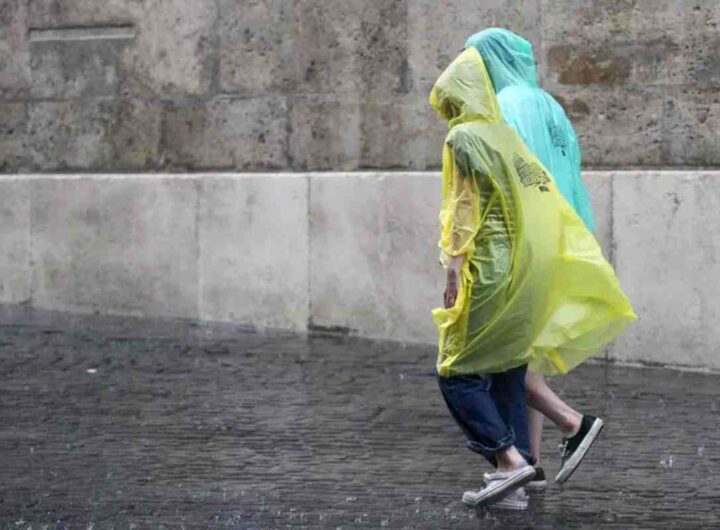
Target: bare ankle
x=572 y=425
x=509 y=460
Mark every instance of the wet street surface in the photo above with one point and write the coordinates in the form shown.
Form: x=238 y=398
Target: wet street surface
x=116 y=423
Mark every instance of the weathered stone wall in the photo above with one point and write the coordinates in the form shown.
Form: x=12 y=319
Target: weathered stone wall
x=148 y=85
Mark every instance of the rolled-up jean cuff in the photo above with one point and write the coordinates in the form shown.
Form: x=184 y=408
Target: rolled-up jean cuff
x=489 y=452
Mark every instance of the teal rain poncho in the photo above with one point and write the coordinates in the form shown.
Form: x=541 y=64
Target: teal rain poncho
x=533 y=113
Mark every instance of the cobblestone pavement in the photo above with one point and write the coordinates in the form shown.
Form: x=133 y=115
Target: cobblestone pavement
x=133 y=425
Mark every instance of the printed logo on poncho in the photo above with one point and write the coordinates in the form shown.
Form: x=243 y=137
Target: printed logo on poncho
x=557 y=134
x=530 y=173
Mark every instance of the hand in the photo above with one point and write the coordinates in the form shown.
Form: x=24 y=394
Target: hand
x=451 y=288
x=453 y=274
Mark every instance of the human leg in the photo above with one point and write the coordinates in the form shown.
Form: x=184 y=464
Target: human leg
x=471 y=403
x=535 y=426
x=510 y=396
x=579 y=431
x=474 y=409
x=508 y=392
x=541 y=398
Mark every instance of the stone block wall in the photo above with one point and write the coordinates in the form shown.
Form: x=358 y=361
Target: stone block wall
x=187 y=85
x=349 y=253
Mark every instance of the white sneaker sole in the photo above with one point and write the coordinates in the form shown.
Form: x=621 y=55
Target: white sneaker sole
x=472 y=500
x=507 y=504
x=574 y=461
x=536 y=486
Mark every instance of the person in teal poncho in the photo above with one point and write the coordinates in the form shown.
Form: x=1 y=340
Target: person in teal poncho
x=544 y=127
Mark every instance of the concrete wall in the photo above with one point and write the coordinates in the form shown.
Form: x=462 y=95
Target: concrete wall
x=177 y=85
x=352 y=253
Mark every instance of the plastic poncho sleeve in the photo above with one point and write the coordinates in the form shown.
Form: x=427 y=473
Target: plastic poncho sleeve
x=461 y=220
x=460 y=214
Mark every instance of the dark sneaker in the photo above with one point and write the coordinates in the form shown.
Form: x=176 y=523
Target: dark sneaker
x=538 y=483
x=498 y=486
x=573 y=449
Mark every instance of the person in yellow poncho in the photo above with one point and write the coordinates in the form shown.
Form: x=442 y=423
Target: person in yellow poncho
x=527 y=283
x=542 y=124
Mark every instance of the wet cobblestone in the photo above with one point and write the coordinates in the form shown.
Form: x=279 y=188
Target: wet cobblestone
x=133 y=425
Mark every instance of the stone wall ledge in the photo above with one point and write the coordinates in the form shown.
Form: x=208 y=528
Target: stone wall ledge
x=351 y=253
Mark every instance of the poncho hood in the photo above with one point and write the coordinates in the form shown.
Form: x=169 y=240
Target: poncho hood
x=508 y=57
x=464 y=92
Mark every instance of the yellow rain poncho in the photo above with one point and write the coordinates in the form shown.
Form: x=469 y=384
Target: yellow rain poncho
x=535 y=287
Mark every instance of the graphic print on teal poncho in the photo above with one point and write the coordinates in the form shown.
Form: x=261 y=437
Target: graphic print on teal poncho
x=533 y=113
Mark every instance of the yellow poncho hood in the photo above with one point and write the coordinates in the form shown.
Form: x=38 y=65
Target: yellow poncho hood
x=464 y=92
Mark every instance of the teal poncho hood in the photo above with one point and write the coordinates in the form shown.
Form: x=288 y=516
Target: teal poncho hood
x=508 y=57
x=533 y=113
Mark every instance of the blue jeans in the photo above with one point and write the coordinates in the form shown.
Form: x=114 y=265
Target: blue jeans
x=490 y=410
